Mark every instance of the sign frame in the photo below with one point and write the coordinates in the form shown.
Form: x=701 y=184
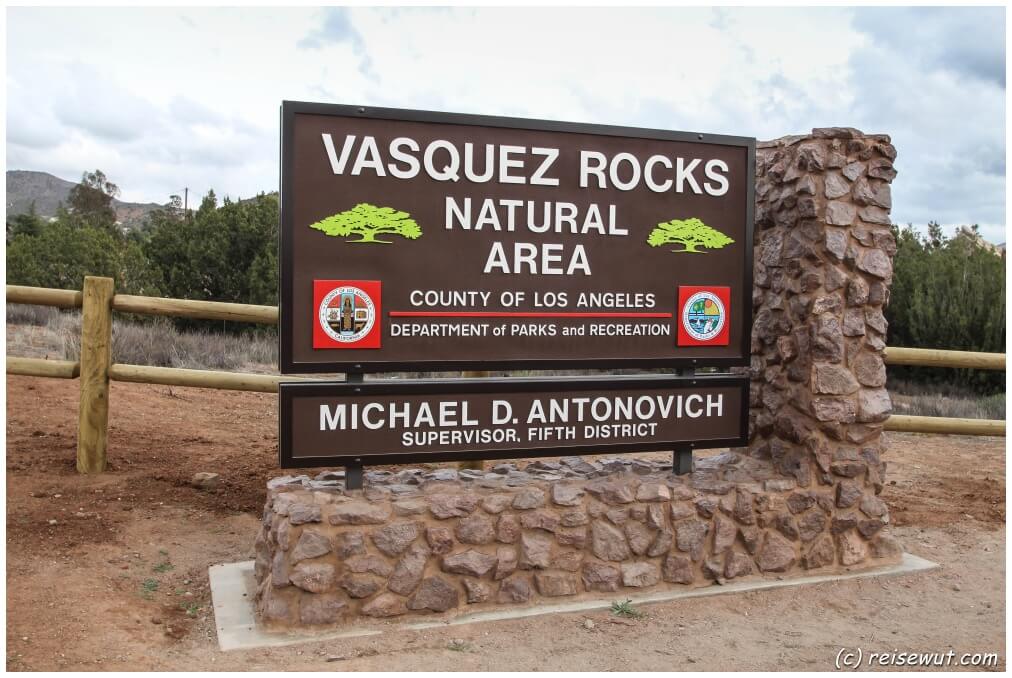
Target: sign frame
x=287 y=391
x=287 y=364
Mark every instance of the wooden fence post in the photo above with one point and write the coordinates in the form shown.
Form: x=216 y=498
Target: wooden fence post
x=96 y=356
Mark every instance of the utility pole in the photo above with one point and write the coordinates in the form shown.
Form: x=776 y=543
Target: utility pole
x=186 y=198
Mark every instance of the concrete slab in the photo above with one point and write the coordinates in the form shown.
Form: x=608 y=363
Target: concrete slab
x=233 y=587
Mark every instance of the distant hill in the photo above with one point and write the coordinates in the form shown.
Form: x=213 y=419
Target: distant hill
x=47 y=192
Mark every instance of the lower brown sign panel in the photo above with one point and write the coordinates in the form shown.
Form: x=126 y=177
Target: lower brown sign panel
x=340 y=424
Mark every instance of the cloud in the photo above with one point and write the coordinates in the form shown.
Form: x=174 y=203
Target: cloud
x=190 y=97
x=967 y=41
x=336 y=28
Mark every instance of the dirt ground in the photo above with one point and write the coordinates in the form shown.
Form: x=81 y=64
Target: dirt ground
x=109 y=572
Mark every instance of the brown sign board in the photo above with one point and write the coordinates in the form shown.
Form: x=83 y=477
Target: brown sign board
x=418 y=421
x=429 y=241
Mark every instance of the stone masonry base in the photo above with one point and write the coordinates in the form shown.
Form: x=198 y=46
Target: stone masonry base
x=420 y=543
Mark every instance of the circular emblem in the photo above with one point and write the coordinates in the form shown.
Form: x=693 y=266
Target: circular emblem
x=703 y=316
x=347 y=314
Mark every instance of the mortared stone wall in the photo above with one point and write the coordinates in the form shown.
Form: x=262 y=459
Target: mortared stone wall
x=802 y=497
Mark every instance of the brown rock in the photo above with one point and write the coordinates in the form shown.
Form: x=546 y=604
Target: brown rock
x=750 y=536
x=472 y=563
x=842 y=523
x=640 y=574
x=507 y=529
x=873 y=507
x=743 y=507
x=574 y=518
x=384 y=605
x=358 y=513
x=705 y=507
x=836 y=186
x=322 y=609
x=506 y=562
x=618 y=516
x=535 y=550
x=573 y=537
x=476 y=529
x=371 y=563
x=313 y=577
x=784 y=524
x=280 y=571
x=810 y=525
x=409 y=570
x=653 y=492
x=885 y=547
x=852 y=548
x=496 y=503
x=567 y=495
x=874 y=405
x=410 y=507
x=639 y=537
x=395 y=538
x=359 y=585
x=274 y=608
x=661 y=544
x=540 y=520
x=683 y=510
x=690 y=536
x=831 y=379
x=724 y=533
x=776 y=554
x=436 y=594
x=848 y=493
x=612 y=492
x=440 y=539
x=529 y=498
x=476 y=591
x=677 y=569
x=283 y=534
x=570 y=561
x=608 y=542
x=514 y=590
x=737 y=565
x=868 y=528
x=312 y=544
x=350 y=544
x=869 y=368
x=821 y=554
x=552 y=584
x=836 y=409
x=840 y=213
x=444 y=506
x=848 y=469
x=600 y=576
x=655 y=516
x=304 y=513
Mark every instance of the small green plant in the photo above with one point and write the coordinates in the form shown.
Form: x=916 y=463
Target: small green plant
x=148 y=587
x=190 y=608
x=625 y=609
x=162 y=567
x=459 y=646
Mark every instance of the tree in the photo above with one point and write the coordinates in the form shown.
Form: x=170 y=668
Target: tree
x=369 y=221
x=691 y=233
x=91 y=200
x=25 y=224
x=62 y=254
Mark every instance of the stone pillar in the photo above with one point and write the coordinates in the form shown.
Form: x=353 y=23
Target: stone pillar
x=823 y=266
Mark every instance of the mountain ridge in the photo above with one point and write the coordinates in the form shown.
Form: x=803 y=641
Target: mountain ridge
x=48 y=192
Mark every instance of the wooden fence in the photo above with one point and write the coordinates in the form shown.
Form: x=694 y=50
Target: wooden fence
x=95 y=368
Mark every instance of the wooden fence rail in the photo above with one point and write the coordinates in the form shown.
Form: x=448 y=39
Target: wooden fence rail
x=96 y=368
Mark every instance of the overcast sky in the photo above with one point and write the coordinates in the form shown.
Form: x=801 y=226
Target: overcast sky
x=162 y=99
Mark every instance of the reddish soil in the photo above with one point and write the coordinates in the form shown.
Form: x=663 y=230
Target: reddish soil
x=110 y=571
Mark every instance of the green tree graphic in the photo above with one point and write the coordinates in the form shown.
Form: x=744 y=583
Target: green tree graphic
x=691 y=233
x=369 y=221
